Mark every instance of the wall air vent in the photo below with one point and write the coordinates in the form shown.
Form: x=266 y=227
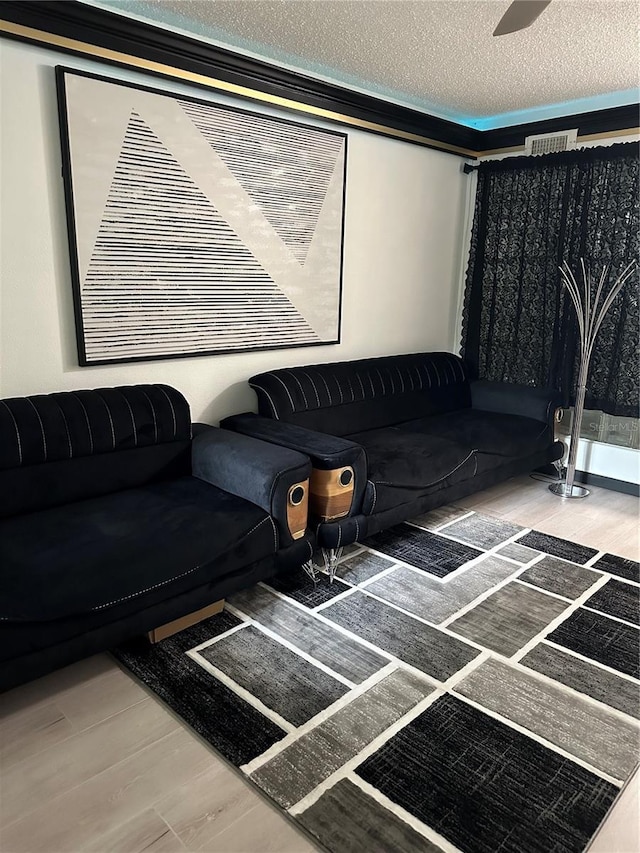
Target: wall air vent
x=547 y=143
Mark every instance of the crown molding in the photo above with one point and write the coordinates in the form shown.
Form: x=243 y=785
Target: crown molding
x=80 y=29
x=76 y=28
x=614 y=121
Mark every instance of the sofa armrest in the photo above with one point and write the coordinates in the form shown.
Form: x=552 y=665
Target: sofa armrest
x=264 y=474
x=197 y=428
x=330 y=455
x=325 y=451
x=539 y=404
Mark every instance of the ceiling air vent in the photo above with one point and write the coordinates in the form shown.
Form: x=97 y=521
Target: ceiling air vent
x=547 y=143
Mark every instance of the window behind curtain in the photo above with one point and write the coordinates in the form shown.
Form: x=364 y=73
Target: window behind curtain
x=531 y=214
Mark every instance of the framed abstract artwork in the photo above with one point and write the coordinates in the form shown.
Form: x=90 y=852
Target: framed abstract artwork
x=197 y=228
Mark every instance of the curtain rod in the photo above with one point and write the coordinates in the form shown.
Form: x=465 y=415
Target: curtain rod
x=569 y=157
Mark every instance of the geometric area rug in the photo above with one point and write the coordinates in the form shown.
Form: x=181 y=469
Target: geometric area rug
x=465 y=684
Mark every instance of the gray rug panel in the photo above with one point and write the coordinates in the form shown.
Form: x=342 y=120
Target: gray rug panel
x=436 y=601
x=519 y=553
x=602 y=639
x=509 y=618
x=482 y=531
x=600 y=738
x=234 y=727
x=628 y=569
x=319 y=561
x=437 y=517
x=362 y=566
x=561 y=577
x=619 y=599
x=348 y=820
x=250 y=658
x=424 y=550
x=485 y=787
x=428 y=649
x=332 y=648
x=586 y=678
x=300 y=767
x=351 y=549
x=557 y=547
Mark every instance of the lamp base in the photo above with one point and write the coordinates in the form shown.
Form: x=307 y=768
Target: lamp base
x=563 y=491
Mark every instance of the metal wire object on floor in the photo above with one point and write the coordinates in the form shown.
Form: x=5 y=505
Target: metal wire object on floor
x=590 y=310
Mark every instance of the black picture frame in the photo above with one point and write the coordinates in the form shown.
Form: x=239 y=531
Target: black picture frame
x=93 y=334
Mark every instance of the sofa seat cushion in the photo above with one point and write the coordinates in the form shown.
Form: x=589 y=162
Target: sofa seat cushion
x=490 y=433
x=403 y=464
x=137 y=547
x=22 y=642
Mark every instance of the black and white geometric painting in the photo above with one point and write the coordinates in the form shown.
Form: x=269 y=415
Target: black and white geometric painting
x=197 y=228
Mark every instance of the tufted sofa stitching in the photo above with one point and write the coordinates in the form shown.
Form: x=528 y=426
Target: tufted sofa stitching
x=329 y=385
x=74 y=423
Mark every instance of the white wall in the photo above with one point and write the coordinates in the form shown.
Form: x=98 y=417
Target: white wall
x=404 y=214
x=608 y=460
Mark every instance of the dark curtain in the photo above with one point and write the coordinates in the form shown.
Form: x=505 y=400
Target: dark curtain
x=531 y=214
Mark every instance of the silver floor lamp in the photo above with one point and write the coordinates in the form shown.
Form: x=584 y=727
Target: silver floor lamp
x=590 y=313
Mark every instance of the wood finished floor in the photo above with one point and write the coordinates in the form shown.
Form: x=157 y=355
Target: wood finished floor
x=89 y=761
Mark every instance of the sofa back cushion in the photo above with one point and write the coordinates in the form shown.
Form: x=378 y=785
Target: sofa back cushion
x=67 y=446
x=352 y=396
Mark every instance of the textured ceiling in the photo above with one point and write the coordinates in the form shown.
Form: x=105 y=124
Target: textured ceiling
x=435 y=55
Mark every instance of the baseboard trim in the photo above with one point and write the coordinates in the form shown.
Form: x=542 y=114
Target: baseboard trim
x=589 y=479
x=611 y=483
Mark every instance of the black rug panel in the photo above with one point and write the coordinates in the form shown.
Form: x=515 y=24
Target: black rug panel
x=424 y=550
x=557 y=547
x=486 y=787
x=299 y=586
x=619 y=599
x=628 y=569
x=601 y=639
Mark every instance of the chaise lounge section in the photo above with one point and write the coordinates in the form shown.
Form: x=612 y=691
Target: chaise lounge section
x=397 y=436
x=118 y=515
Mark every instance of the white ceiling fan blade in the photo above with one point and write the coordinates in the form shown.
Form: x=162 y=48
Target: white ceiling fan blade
x=519 y=15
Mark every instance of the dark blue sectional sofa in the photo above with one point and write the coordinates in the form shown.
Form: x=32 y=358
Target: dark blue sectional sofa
x=118 y=515
x=415 y=431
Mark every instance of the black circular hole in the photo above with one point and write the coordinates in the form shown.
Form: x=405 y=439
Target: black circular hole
x=346 y=477
x=296 y=496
